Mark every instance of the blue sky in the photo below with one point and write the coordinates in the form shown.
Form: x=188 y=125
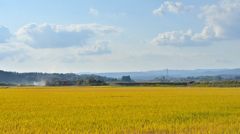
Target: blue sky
x=116 y=36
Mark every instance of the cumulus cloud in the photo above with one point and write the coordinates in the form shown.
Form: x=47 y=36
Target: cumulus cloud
x=177 y=38
x=222 y=21
x=207 y=34
x=58 y=36
x=4 y=34
x=93 y=11
x=159 y=11
x=177 y=7
x=100 y=47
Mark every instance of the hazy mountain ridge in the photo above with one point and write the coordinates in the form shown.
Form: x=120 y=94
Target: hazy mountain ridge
x=173 y=73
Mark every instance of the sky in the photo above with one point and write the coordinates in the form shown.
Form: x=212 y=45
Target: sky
x=63 y=36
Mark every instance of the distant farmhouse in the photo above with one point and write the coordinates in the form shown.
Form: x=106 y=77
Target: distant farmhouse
x=92 y=82
x=57 y=81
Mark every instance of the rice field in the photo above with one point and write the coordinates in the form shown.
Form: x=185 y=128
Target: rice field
x=119 y=110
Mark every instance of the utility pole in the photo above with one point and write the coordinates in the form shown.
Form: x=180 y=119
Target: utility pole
x=37 y=79
x=167 y=74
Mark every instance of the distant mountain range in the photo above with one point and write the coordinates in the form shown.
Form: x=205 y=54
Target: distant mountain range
x=148 y=75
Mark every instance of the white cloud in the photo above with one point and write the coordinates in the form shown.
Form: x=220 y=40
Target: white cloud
x=177 y=38
x=100 y=47
x=177 y=7
x=207 y=34
x=222 y=22
x=169 y=38
x=93 y=11
x=159 y=11
x=4 y=34
x=57 y=55
x=58 y=36
x=12 y=49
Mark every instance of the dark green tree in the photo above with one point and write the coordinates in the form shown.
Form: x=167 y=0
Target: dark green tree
x=126 y=79
x=79 y=82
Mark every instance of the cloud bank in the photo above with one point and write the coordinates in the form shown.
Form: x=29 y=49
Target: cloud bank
x=13 y=49
x=58 y=36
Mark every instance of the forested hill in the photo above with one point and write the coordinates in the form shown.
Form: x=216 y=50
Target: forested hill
x=41 y=77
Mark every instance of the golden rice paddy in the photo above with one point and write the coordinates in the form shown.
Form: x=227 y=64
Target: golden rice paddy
x=119 y=110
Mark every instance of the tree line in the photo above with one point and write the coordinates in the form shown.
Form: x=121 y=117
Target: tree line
x=31 y=77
